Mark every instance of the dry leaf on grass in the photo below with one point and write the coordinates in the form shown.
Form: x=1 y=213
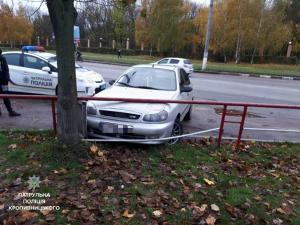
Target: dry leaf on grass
x=128 y=215
x=157 y=213
x=210 y=220
x=12 y=146
x=214 y=207
x=209 y=182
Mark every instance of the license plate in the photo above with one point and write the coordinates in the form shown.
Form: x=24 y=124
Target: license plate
x=110 y=128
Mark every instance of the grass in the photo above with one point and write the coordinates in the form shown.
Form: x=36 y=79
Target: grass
x=265 y=69
x=256 y=181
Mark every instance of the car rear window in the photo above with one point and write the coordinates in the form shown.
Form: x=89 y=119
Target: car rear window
x=12 y=59
x=174 y=61
x=186 y=61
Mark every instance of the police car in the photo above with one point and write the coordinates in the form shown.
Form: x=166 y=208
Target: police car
x=33 y=70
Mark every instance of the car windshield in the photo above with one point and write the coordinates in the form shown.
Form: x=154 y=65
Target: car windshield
x=149 y=78
x=52 y=59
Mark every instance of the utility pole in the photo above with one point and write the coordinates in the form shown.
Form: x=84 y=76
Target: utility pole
x=208 y=32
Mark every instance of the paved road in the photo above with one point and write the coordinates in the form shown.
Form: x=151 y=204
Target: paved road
x=207 y=87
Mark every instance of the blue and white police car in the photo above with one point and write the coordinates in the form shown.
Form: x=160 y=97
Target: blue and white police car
x=33 y=70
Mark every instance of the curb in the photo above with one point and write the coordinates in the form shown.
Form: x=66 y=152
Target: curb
x=279 y=77
x=283 y=77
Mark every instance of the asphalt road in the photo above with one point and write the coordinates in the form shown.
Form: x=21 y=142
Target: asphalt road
x=206 y=87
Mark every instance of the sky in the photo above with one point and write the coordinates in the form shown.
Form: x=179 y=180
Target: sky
x=36 y=3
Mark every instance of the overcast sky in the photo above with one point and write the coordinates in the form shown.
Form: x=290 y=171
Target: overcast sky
x=35 y=3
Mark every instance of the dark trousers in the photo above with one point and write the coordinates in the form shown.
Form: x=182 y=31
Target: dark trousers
x=6 y=100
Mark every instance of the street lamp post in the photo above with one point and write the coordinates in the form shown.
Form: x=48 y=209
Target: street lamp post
x=100 y=43
x=289 y=50
x=38 y=40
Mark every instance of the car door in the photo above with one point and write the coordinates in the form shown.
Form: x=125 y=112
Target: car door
x=37 y=80
x=15 y=83
x=186 y=96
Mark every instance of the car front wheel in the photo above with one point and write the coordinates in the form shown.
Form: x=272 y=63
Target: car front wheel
x=176 y=131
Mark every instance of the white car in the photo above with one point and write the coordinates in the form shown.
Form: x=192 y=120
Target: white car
x=184 y=63
x=145 y=121
x=36 y=72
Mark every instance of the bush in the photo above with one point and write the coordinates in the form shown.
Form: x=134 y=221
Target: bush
x=293 y=60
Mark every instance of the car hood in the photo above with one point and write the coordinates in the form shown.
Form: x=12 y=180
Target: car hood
x=85 y=74
x=82 y=73
x=127 y=92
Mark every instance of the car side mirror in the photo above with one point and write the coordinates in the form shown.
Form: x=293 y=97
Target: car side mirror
x=46 y=69
x=111 y=82
x=186 y=89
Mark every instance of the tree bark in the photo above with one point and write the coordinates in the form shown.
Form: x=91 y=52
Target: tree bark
x=63 y=15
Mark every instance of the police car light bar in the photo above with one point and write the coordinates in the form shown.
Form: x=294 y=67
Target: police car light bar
x=33 y=49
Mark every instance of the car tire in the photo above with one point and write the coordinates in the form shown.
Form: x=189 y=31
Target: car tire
x=176 y=131
x=188 y=116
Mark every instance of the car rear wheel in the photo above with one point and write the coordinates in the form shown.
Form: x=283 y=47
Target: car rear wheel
x=176 y=131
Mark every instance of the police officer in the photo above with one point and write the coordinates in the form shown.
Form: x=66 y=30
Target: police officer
x=4 y=78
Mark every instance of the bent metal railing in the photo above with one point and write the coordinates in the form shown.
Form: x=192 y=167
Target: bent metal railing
x=225 y=105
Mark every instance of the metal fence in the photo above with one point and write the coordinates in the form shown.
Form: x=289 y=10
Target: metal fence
x=223 y=121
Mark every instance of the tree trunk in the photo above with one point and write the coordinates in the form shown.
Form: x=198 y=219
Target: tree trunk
x=238 y=51
x=63 y=15
x=258 y=30
x=261 y=54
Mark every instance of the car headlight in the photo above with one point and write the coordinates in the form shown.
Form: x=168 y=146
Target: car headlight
x=156 y=117
x=91 y=109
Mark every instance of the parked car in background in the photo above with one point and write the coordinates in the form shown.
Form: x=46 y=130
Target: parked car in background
x=34 y=71
x=142 y=120
x=184 y=63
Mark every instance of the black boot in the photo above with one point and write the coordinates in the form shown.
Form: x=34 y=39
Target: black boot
x=13 y=113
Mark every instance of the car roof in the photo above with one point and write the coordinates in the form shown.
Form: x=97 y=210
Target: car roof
x=45 y=55
x=174 y=58
x=162 y=66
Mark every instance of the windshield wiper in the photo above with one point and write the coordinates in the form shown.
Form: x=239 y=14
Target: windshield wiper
x=146 y=87
x=124 y=84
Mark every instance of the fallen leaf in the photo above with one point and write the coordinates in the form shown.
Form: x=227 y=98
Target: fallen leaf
x=214 y=207
x=258 y=198
x=280 y=210
x=45 y=212
x=50 y=217
x=232 y=210
x=157 y=213
x=210 y=220
x=27 y=215
x=12 y=146
x=94 y=149
x=250 y=219
x=199 y=211
x=286 y=208
x=93 y=181
x=61 y=171
x=127 y=177
x=1 y=206
x=209 y=182
x=277 y=221
x=128 y=215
